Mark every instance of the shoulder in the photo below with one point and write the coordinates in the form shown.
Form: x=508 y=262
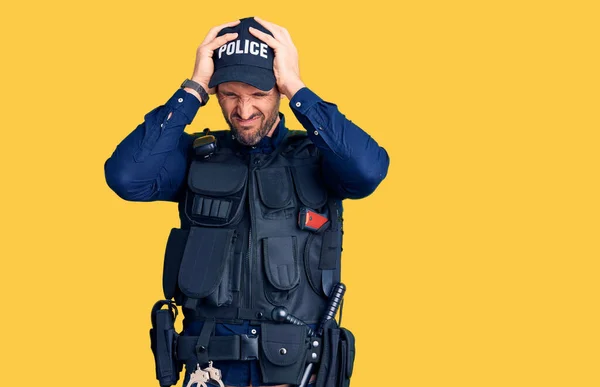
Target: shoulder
x=296 y=137
x=222 y=133
x=300 y=145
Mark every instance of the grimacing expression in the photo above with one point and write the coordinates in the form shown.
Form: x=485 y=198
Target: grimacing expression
x=249 y=112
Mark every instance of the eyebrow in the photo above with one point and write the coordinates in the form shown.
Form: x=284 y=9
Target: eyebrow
x=256 y=94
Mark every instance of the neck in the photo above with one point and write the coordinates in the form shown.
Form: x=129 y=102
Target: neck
x=275 y=124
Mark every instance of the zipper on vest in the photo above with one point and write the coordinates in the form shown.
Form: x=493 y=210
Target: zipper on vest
x=249 y=259
x=253 y=161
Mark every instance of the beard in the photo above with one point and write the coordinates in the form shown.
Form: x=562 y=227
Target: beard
x=250 y=135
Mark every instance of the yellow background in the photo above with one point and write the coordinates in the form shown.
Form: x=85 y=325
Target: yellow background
x=474 y=264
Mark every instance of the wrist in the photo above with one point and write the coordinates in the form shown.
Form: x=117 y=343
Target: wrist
x=194 y=93
x=197 y=88
x=203 y=82
x=292 y=88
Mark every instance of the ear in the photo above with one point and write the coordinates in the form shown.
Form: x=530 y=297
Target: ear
x=281 y=95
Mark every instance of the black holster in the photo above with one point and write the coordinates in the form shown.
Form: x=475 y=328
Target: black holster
x=163 y=342
x=337 y=359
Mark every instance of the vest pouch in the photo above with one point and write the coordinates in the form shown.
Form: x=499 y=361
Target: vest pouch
x=337 y=359
x=216 y=193
x=283 y=352
x=347 y=354
x=310 y=186
x=173 y=254
x=282 y=267
x=276 y=193
x=206 y=271
x=322 y=254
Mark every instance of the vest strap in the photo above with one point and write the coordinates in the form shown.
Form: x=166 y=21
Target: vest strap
x=331 y=248
x=202 y=342
x=228 y=313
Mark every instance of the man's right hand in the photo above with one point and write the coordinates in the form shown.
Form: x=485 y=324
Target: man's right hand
x=204 y=67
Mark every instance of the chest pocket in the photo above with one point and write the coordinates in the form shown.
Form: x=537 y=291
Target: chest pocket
x=310 y=186
x=276 y=193
x=216 y=193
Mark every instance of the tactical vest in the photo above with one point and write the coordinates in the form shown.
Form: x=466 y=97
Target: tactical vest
x=240 y=251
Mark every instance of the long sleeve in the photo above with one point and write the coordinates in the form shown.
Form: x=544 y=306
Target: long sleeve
x=151 y=162
x=353 y=163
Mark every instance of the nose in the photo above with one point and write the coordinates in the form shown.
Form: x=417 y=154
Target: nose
x=244 y=109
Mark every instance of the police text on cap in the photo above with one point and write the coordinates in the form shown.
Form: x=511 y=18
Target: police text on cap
x=249 y=48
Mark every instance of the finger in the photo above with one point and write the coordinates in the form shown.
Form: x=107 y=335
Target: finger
x=271 y=41
x=215 y=31
x=274 y=28
x=287 y=35
x=267 y=24
x=220 y=40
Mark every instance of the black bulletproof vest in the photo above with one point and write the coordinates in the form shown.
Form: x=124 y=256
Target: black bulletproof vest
x=240 y=251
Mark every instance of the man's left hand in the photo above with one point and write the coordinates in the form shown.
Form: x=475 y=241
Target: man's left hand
x=285 y=64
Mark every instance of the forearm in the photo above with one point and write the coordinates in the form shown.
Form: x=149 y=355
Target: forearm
x=150 y=163
x=353 y=163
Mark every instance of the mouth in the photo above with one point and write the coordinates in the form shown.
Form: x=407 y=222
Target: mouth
x=246 y=122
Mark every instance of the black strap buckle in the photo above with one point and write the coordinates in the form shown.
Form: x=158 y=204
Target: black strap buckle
x=202 y=342
x=248 y=347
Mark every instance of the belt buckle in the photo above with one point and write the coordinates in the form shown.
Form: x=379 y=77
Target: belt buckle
x=249 y=347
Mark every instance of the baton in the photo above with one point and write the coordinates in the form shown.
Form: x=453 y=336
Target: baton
x=335 y=299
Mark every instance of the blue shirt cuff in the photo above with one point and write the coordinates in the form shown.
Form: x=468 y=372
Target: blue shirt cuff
x=305 y=106
x=303 y=100
x=185 y=103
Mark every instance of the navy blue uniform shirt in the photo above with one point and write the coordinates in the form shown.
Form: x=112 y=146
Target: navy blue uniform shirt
x=151 y=164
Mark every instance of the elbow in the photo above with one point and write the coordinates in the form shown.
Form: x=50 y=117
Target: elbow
x=372 y=182
x=122 y=181
x=367 y=178
x=362 y=189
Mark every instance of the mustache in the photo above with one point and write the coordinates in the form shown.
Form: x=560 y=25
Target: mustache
x=249 y=118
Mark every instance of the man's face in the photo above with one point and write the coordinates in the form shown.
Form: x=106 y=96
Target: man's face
x=250 y=112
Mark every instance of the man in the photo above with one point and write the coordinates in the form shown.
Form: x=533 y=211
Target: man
x=260 y=211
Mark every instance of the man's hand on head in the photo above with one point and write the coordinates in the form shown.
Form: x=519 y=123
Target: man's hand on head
x=204 y=66
x=285 y=64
